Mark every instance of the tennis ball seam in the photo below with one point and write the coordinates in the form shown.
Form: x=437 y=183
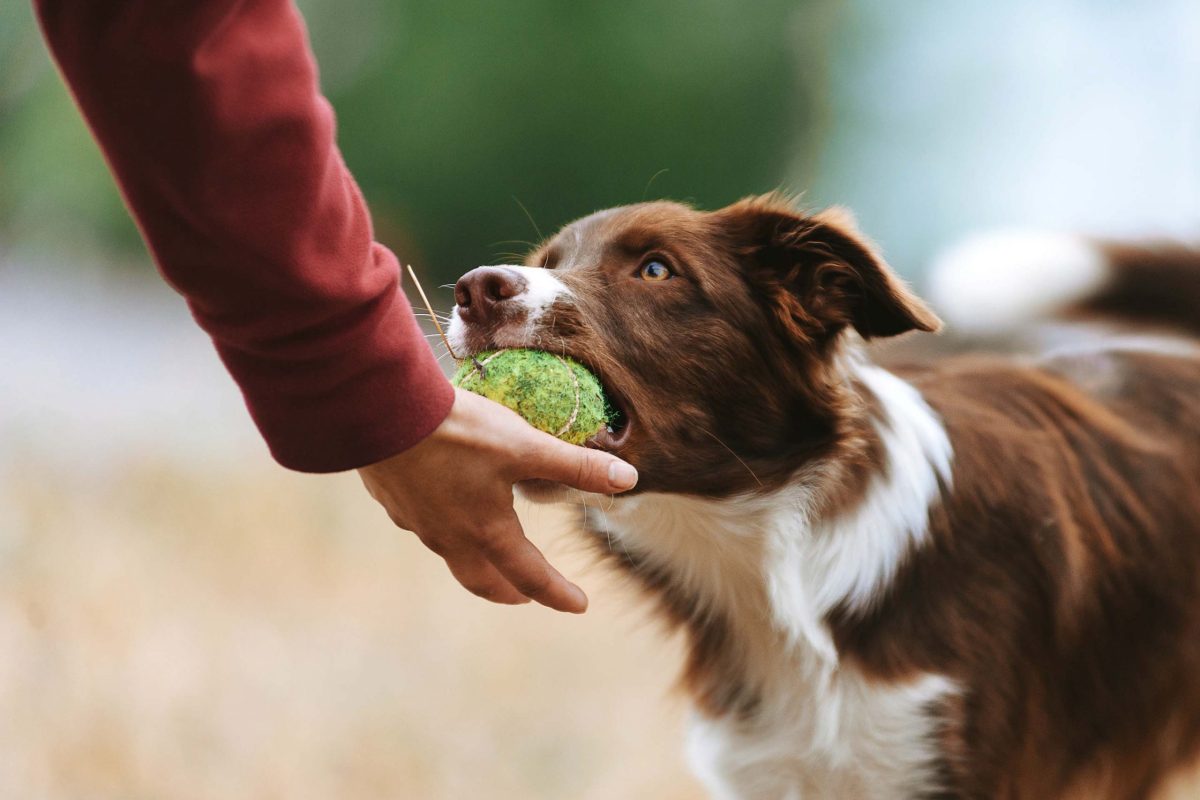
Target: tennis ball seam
x=575 y=385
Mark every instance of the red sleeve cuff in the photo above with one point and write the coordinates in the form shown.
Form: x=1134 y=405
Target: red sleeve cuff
x=321 y=409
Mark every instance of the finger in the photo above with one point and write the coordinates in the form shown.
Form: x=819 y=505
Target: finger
x=480 y=578
x=524 y=566
x=580 y=467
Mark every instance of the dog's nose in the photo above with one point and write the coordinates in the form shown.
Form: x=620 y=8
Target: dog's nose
x=483 y=289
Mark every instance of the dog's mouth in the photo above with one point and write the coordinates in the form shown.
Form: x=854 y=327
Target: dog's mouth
x=615 y=435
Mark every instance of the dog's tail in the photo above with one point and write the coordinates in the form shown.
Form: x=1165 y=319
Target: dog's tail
x=996 y=282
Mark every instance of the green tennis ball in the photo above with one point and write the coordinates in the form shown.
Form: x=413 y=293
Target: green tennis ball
x=553 y=393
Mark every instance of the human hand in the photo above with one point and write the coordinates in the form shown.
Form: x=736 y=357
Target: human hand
x=454 y=490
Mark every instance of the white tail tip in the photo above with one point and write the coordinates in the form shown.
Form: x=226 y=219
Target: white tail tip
x=994 y=282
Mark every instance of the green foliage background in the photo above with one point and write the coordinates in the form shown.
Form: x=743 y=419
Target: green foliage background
x=453 y=115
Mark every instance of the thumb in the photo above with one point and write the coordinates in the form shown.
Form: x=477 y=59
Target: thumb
x=581 y=468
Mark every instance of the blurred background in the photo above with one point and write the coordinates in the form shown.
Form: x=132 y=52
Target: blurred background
x=181 y=618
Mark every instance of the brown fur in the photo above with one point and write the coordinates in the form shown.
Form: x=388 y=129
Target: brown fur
x=1061 y=583
x=1154 y=284
x=1062 y=586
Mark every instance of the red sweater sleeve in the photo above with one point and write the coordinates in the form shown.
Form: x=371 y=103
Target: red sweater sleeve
x=209 y=114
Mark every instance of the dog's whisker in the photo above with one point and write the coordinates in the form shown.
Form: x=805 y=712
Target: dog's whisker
x=735 y=455
x=607 y=525
x=529 y=216
x=513 y=241
x=604 y=514
x=653 y=178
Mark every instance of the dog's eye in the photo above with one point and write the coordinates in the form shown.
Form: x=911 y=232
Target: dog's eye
x=655 y=271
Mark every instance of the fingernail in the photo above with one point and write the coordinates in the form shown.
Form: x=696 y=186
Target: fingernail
x=580 y=598
x=622 y=475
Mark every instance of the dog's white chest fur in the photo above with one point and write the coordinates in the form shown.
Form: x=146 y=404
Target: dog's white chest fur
x=834 y=735
x=821 y=728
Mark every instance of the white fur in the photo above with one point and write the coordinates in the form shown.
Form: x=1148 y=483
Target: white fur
x=774 y=571
x=993 y=282
x=1106 y=342
x=456 y=333
x=542 y=290
x=880 y=748
x=1095 y=358
x=849 y=559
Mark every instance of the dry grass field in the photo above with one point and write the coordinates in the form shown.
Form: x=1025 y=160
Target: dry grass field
x=257 y=634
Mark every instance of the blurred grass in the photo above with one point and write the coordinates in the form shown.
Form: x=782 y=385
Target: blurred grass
x=261 y=634
x=454 y=115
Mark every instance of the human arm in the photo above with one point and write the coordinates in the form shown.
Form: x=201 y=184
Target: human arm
x=210 y=117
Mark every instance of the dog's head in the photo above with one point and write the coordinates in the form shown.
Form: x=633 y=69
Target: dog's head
x=717 y=334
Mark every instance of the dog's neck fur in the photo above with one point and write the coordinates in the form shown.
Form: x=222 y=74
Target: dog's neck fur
x=754 y=578
x=772 y=563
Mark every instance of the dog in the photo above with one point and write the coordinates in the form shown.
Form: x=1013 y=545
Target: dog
x=965 y=576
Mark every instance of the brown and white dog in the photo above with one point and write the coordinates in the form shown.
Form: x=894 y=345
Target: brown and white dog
x=972 y=577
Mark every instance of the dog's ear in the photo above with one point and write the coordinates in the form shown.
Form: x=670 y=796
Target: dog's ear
x=818 y=272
